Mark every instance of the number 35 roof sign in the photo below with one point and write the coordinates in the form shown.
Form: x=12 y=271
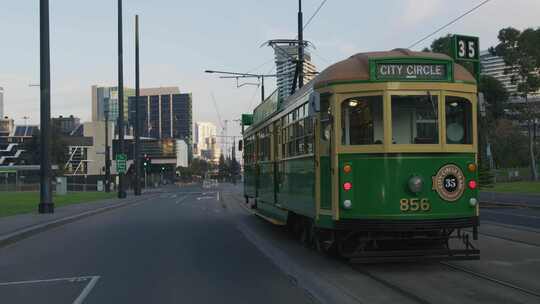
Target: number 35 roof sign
x=466 y=48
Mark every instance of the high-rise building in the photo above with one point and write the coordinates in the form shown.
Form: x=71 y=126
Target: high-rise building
x=205 y=141
x=167 y=115
x=494 y=66
x=1 y=102
x=285 y=56
x=106 y=98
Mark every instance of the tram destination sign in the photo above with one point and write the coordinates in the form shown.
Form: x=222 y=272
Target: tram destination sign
x=411 y=71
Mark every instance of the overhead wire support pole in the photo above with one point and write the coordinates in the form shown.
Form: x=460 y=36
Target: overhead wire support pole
x=46 y=204
x=300 y=46
x=121 y=147
x=237 y=76
x=137 y=188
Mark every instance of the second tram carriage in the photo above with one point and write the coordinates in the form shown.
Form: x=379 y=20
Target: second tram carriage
x=375 y=158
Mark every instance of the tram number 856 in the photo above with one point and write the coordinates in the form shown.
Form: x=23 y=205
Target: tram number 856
x=414 y=204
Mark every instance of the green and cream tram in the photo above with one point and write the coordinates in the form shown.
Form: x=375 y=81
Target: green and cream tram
x=374 y=158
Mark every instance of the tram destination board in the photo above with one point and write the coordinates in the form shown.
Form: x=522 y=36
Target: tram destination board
x=411 y=71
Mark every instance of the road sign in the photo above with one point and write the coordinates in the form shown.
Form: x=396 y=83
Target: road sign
x=466 y=48
x=121 y=160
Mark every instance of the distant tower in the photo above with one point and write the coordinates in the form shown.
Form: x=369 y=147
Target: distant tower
x=1 y=102
x=286 y=54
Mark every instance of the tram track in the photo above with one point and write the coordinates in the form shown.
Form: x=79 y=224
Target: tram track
x=394 y=287
x=491 y=279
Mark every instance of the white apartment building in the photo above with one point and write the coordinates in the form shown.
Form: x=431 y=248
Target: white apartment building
x=494 y=66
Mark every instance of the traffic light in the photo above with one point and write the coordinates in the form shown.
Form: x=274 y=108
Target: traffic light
x=147 y=162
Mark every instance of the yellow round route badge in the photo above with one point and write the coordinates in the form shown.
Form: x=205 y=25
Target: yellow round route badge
x=449 y=183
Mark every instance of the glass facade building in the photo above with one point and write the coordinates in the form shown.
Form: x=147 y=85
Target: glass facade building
x=163 y=116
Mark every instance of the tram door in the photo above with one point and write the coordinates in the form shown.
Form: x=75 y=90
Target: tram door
x=323 y=163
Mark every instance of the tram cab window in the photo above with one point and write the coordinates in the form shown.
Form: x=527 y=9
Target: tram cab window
x=415 y=119
x=362 y=121
x=458 y=120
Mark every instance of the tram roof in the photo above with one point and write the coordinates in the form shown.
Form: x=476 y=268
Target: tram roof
x=357 y=67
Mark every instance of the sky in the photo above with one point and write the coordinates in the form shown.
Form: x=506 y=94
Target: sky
x=180 y=39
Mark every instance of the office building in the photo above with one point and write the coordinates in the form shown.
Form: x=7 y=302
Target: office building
x=106 y=98
x=163 y=115
x=66 y=125
x=285 y=56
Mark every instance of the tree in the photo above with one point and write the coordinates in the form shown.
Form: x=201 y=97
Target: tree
x=223 y=167
x=495 y=95
x=521 y=54
x=59 y=149
x=443 y=45
x=509 y=145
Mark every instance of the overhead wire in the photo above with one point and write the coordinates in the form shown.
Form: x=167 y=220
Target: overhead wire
x=450 y=23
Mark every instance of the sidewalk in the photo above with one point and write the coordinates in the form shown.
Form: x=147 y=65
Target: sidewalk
x=528 y=200
x=17 y=227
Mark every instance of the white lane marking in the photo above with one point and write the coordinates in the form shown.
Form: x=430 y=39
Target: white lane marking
x=73 y=279
x=181 y=200
x=86 y=291
x=204 y=197
x=217 y=196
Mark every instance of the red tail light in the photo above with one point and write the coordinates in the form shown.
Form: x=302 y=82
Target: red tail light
x=472 y=184
x=347 y=186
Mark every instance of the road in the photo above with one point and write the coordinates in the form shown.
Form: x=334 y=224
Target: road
x=193 y=245
x=177 y=247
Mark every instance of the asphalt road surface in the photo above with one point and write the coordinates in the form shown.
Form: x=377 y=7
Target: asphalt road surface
x=193 y=245
x=179 y=246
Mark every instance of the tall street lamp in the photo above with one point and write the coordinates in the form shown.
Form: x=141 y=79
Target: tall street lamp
x=46 y=204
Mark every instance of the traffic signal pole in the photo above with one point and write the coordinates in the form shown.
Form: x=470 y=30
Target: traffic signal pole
x=137 y=157
x=121 y=179
x=46 y=204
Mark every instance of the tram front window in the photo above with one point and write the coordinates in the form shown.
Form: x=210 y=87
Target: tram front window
x=362 y=121
x=415 y=119
x=458 y=120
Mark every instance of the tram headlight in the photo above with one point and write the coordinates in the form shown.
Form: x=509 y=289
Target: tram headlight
x=473 y=201
x=347 y=186
x=472 y=184
x=416 y=184
x=347 y=204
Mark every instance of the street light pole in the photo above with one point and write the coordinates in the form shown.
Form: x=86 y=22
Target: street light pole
x=137 y=157
x=107 y=153
x=300 y=46
x=46 y=204
x=121 y=186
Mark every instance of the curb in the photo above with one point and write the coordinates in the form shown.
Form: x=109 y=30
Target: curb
x=27 y=232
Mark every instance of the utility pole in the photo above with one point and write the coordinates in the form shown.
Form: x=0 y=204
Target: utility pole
x=107 y=152
x=300 y=46
x=46 y=204
x=137 y=153
x=121 y=180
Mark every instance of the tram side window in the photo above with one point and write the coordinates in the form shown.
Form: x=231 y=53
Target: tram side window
x=458 y=120
x=298 y=135
x=362 y=121
x=264 y=144
x=415 y=119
